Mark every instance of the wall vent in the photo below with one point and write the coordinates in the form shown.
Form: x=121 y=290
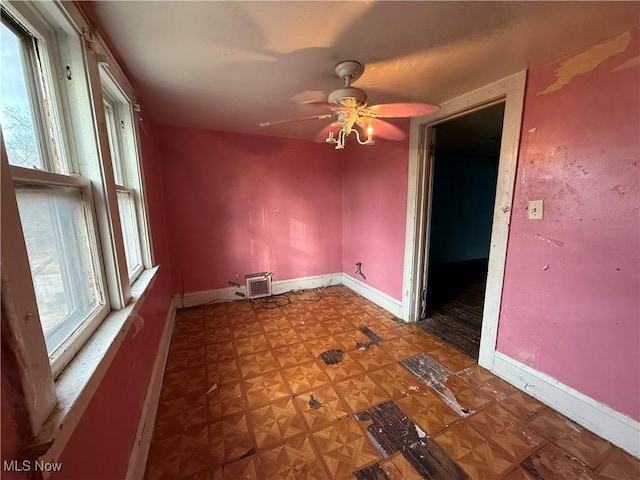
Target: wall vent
x=258 y=284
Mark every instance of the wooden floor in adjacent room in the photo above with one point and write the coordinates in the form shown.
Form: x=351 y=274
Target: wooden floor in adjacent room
x=456 y=301
x=247 y=395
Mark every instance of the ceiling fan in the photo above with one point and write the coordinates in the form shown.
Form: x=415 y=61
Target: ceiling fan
x=349 y=106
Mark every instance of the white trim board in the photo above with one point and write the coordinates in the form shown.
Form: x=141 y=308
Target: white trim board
x=617 y=428
x=305 y=283
x=372 y=294
x=77 y=384
x=511 y=91
x=144 y=434
x=228 y=294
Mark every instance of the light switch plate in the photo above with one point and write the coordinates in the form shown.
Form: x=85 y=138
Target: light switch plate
x=534 y=210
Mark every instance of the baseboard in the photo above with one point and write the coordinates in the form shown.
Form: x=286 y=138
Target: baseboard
x=617 y=428
x=374 y=295
x=304 y=283
x=381 y=299
x=194 y=299
x=142 y=442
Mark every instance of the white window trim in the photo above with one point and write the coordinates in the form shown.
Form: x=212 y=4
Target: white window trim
x=60 y=404
x=71 y=346
x=34 y=23
x=140 y=267
x=75 y=387
x=55 y=408
x=110 y=83
x=122 y=108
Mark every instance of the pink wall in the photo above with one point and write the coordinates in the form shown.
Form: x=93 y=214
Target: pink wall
x=239 y=204
x=374 y=210
x=101 y=443
x=579 y=320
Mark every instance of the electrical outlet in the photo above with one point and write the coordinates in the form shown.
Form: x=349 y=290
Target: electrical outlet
x=535 y=210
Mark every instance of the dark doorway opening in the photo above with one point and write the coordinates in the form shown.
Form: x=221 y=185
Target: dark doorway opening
x=465 y=158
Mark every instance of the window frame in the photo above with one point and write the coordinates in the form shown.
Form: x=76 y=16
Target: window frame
x=133 y=197
x=55 y=403
x=60 y=357
x=32 y=29
x=127 y=167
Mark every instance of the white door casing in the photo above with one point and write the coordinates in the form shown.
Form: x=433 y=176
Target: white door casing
x=511 y=91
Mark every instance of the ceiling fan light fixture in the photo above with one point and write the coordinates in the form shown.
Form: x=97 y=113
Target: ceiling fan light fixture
x=349 y=97
x=353 y=114
x=370 y=134
x=341 y=140
x=369 y=140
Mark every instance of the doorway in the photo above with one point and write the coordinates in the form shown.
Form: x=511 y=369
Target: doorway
x=510 y=91
x=465 y=154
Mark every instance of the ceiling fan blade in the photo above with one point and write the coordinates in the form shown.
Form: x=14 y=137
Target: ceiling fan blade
x=317 y=102
x=324 y=133
x=328 y=105
x=386 y=130
x=399 y=110
x=299 y=119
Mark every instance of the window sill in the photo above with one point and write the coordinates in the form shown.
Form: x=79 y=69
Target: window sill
x=78 y=382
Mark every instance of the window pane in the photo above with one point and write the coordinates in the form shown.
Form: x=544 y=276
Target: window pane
x=56 y=233
x=16 y=116
x=114 y=143
x=129 y=223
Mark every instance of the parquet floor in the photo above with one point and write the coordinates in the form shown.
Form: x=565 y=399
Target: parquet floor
x=245 y=397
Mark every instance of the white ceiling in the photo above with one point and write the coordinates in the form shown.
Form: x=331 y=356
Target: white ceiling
x=231 y=65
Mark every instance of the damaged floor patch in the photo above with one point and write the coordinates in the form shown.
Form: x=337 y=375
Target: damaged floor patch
x=434 y=375
x=373 y=339
x=371 y=335
x=313 y=403
x=393 y=431
x=331 y=357
x=372 y=472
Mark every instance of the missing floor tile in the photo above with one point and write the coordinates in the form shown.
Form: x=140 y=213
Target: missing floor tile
x=527 y=464
x=313 y=403
x=393 y=431
x=331 y=357
x=372 y=472
x=371 y=335
x=434 y=375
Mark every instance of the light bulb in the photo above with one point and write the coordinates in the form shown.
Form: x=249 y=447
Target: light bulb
x=330 y=138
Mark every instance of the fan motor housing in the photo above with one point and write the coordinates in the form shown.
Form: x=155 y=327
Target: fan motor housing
x=348 y=97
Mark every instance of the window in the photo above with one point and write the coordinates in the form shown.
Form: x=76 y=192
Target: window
x=57 y=229
x=123 y=159
x=76 y=252
x=17 y=119
x=56 y=209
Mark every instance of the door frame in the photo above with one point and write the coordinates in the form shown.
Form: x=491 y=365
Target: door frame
x=511 y=91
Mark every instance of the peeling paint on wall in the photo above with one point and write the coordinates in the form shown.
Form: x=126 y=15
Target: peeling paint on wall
x=549 y=241
x=632 y=62
x=586 y=61
x=562 y=303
